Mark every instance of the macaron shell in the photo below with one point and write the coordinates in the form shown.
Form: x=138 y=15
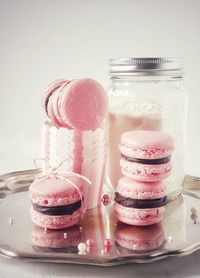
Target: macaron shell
x=83 y=104
x=130 y=188
x=138 y=238
x=138 y=217
x=51 y=88
x=55 y=104
x=145 y=172
x=55 y=192
x=146 y=144
x=53 y=109
x=50 y=112
x=55 y=222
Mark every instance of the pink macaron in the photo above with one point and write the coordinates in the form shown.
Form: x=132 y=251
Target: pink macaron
x=81 y=104
x=130 y=188
x=131 y=239
x=64 y=240
x=146 y=155
x=139 y=203
x=50 y=101
x=137 y=216
x=52 y=108
x=56 y=203
x=53 y=86
x=55 y=105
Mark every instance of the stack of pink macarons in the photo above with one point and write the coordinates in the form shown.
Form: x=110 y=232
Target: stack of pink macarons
x=145 y=163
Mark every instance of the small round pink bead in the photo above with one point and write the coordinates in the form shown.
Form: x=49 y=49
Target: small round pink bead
x=105 y=199
x=90 y=242
x=107 y=242
x=107 y=249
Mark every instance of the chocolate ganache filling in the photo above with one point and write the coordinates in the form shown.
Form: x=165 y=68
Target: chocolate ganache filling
x=148 y=161
x=140 y=203
x=58 y=210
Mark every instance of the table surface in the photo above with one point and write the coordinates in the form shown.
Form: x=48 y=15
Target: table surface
x=187 y=266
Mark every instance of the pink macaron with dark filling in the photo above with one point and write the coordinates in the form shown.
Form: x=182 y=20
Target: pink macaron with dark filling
x=139 y=203
x=56 y=203
x=53 y=86
x=81 y=104
x=146 y=155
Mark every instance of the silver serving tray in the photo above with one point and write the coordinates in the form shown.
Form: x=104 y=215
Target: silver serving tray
x=181 y=227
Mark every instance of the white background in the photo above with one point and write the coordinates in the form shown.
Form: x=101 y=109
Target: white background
x=42 y=40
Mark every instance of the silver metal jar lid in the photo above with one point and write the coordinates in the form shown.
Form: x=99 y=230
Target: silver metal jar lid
x=161 y=66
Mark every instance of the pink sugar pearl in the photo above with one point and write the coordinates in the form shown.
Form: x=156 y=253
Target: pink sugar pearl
x=107 y=242
x=107 y=249
x=105 y=199
x=90 y=242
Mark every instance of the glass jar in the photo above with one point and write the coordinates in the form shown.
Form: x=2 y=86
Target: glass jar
x=147 y=94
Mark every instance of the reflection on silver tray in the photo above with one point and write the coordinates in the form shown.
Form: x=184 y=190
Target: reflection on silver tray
x=177 y=235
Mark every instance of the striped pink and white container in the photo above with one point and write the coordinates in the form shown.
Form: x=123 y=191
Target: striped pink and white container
x=88 y=156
